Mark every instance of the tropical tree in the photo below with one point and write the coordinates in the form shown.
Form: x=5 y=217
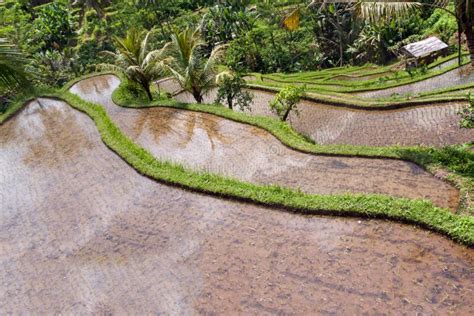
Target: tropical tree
x=377 y=11
x=12 y=73
x=230 y=90
x=286 y=101
x=465 y=16
x=53 y=27
x=226 y=21
x=335 y=29
x=135 y=60
x=85 y=5
x=189 y=65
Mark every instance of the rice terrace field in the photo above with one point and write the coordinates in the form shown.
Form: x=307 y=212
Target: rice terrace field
x=236 y=157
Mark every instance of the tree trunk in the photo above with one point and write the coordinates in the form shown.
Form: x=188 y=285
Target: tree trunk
x=287 y=113
x=459 y=43
x=470 y=40
x=229 y=102
x=146 y=87
x=197 y=96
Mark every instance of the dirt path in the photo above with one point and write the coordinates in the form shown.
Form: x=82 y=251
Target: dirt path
x=81 y=232
x=436 y=125
x=207 y=142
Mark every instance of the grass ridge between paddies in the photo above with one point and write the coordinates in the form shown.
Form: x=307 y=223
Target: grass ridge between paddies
x=422 y=213
x=457 y=160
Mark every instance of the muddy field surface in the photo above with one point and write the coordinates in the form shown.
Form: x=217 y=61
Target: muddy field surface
x=82 y=232
x=210 y=143
x=433 y=125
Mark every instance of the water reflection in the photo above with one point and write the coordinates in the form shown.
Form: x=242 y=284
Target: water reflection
x=210 y=143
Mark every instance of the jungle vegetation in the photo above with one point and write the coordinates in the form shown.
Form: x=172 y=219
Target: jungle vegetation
x=146 y=39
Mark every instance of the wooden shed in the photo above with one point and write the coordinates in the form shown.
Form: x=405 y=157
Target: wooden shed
x=424 y=52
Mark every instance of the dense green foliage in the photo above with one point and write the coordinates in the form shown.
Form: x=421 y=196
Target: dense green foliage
x=65 y=38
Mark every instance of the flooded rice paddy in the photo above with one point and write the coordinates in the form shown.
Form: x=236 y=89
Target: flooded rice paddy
x=207 y=142
x=431 y=125
x=456 y=77
x=82 y=232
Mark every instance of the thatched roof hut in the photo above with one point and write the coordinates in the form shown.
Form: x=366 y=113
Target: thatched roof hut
x=425 y=51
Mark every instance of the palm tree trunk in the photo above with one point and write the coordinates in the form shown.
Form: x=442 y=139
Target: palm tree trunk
x=459 y=43
x=230 y=102
x=197 y=96
x=146 y=87
x=470 y=41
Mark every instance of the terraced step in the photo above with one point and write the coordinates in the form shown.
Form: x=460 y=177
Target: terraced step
x=82 y=233
x=210 y=143
x=433 y=125
x=456 y=77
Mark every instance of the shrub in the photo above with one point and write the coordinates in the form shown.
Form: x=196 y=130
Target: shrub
x=231 y=91
x=286 y=100
x=467 y=114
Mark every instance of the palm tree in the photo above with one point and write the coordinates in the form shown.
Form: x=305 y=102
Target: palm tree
x=97 y=5
x=381 y=11
x=188 y=64
x=135 y=61
x=11 y=71
x=464 y=14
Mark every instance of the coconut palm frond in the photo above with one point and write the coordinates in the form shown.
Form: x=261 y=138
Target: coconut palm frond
x=216 y=56
x=12 y=73
x=382 y=11
x=154 y=57
x=188 y=64
x=178 y=76
x=111 y=67
x=144 y=46
x=135 y=60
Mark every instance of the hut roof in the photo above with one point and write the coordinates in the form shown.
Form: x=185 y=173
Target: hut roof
x=424 y=47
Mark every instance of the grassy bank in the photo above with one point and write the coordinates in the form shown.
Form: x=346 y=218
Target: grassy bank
x=454 y=163
x=328 y=82
x=342 y=100
x=422 y=213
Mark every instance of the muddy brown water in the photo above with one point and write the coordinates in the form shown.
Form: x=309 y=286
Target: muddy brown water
x=432 y=125
x=81 y=232
x=207 y=142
